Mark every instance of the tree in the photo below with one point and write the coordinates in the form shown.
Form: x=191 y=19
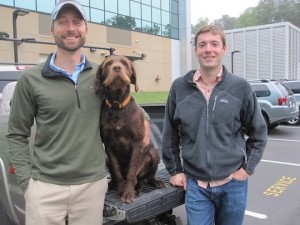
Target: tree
x=226 y=22
x=266 y=12
x=288 y=10
x=200 y=23
x=271 y=11
x=248 y=18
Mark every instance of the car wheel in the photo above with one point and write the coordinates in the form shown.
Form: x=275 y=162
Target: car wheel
x=294 y=121
x=273 y=125
x=266 y=119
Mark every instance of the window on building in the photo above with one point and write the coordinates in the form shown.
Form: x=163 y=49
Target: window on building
x=97 y=15
x=111 y=6
x=123 y=7
x=156 y=3
x=28 y=4
x=8 y=2
x=147 y=2
x=135 y=9
x=165 y=5
x=146 y=12
x=156 y=18
x=45 y=6
x=159 y=17
x=98 y=4
x=84 y=2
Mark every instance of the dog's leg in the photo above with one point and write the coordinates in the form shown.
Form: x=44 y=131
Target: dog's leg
x=131 y=178
x=117 y=179
x=150 y=167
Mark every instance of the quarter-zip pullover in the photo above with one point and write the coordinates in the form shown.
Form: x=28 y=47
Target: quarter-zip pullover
x=67 y=148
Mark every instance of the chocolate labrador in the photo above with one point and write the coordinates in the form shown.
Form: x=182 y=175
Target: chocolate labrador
x=129 y=160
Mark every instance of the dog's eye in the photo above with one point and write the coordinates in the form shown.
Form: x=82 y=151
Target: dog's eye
x=124 y=63
x=108 y=63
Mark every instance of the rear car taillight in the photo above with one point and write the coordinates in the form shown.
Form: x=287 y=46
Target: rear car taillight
x=282 y=101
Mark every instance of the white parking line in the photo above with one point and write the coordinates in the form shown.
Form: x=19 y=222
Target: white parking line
x=288 y=126
x=256 y=215
x=283 y=163
x=289 y=140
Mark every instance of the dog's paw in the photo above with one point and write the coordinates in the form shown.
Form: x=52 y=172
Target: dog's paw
x=128 y=196
x=156 y=183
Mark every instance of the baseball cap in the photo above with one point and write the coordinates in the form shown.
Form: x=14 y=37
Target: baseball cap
x=64 y=4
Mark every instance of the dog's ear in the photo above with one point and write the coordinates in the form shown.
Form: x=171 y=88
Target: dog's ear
x=133 y=77
x=100 y=77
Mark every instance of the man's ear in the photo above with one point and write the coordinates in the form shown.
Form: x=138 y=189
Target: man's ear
x=51 y=30
x=224 y=50
x=86 y=26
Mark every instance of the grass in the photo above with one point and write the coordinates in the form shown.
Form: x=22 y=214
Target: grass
x=150 y=97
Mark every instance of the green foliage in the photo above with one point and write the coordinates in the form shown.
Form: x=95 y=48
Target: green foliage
x=200 y=23
x=226 y=22
x=266 y=12
x=247 y=19
x=150 y=97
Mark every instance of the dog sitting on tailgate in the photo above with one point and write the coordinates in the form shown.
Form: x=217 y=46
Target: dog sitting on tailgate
x=129 y=162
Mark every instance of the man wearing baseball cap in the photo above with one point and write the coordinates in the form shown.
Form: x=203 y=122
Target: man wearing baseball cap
x=63 y=177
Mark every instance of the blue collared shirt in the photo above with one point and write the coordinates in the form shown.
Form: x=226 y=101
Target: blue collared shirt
x=78 y=68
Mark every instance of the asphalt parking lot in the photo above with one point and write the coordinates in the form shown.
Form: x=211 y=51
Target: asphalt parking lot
x=274 y=196
x=274 y=189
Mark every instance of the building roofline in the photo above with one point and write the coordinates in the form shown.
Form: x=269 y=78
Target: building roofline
x=272 y=25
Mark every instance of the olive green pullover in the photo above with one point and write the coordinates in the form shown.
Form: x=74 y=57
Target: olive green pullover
x=67 y=148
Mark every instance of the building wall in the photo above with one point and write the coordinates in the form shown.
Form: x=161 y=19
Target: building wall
x=265 y=52
x=165 y=58
x=26 y=28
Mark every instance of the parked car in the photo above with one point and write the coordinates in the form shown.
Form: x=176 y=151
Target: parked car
x=9 y=73
x=277 y=101
x=294 y=85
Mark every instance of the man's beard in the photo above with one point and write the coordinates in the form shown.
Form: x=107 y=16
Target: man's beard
x=60 y=43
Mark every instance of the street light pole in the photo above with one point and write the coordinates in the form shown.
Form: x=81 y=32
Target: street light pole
x=232 y=53
x=16 y=13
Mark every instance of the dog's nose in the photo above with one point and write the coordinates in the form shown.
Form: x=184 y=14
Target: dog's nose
x=117 y=68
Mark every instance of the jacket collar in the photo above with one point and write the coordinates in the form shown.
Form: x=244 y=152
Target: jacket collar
x=189 y=75
x=48 y=72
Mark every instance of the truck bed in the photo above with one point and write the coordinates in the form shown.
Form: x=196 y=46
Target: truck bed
x=148 y=204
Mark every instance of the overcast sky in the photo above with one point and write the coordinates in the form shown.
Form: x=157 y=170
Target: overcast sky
x=215 y=9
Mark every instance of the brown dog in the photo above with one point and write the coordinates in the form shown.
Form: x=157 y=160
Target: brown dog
x=122 y=130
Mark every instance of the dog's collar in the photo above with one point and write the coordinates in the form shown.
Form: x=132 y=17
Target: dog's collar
x=116 y=104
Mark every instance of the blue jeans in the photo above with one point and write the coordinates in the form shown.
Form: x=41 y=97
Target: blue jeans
x=221 y=205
